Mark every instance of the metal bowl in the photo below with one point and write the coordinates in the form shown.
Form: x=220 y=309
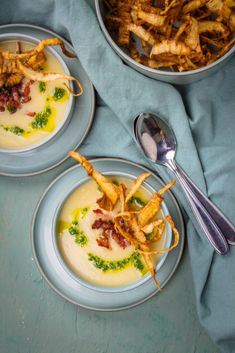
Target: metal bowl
x=162 y=75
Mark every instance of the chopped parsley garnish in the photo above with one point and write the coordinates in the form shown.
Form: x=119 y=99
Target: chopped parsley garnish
x=79 y=212
x=15 y=130
x=115 y=182
x=136 y=260
x=41 y=119
x=137 y=200
x=59 y=93
x=11 y=109
x=42 y=87
x=84 y=211
x=73 y=230
x=80 y=236
x=104 y=265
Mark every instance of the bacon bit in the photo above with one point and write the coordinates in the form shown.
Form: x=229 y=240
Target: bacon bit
x=108 y=231
x=31 y=114
x=26 y=91
x=97 y=224
x=98 y=211
x=25 y=99
x=103 y=216
x=14 y=96
x=12 y=103
x=103 y=241
x=120 y=240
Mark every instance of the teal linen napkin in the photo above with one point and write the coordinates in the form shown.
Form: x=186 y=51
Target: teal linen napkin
x=202 y=116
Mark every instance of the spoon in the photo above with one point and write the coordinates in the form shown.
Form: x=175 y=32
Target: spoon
x=158 y=142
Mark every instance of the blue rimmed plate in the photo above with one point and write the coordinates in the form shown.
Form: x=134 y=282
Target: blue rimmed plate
x=50 y=264
x=54 y=152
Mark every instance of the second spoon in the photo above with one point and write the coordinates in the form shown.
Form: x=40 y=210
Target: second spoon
x=158 y=142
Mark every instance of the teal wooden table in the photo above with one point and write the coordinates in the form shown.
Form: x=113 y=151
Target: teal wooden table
x=34 y=319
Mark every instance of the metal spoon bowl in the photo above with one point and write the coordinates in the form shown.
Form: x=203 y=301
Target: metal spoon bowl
x=158 y=142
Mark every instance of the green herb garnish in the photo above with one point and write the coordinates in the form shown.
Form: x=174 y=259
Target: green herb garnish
x=106 y=266
x=11 y=109
x=81 y=238
x=59 y=93
x=42 y=87
x=14 y=129
x=138 y=200
x=73 y=230
x=115 y=182
x=136 y=260
x=84 y=211
x=41 y=119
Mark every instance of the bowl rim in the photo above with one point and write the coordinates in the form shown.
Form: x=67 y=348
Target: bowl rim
x=72 y=273
x=70 y=105
x=126 y=57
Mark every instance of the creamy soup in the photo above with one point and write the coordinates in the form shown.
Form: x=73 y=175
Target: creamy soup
x=36 y=119
x=77 y=241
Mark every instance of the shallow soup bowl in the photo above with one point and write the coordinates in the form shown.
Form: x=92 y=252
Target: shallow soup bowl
x=88 y=284
x=64 y=121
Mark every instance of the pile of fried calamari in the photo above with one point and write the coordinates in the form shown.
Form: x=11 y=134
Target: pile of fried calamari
x=179 y=35
x=144 y=230
x=14 y=67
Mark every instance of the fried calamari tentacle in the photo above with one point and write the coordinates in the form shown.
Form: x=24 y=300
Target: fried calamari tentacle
x=45 y=77
x=3 y=78
x=193 y=5
x=222 y=51
x=151 y=18
x=181 y=29
x=14 y=79
x=7 y=66
x=36 y=61
x=149 y=228
x=173 y=3
x=170 y=46
x=151 y=269
x=125 y=234
x=175 y=242
x=122 y=191
x=41 y=45
x=167 y=187
x=138 y=182
x=150 y=210
x=192 y=39
x=153 y=206
x=212 y=26
x=109 y=189
x=142 y=33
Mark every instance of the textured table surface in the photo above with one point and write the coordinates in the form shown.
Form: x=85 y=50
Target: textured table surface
x=34 y=319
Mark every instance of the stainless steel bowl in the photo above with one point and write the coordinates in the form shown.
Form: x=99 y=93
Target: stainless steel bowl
x=167 y=76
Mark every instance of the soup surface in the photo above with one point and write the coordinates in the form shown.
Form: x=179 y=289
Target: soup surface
x=77 y=239
x=40 y=112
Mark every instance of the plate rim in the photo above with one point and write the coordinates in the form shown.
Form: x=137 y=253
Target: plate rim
x=32 y=242
x=93 y=103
